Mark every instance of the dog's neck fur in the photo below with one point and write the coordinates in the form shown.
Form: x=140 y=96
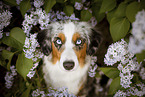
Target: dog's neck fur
x=73 y=80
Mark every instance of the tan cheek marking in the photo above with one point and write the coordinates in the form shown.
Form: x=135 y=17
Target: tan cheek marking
x=81 y=55
x=62 y=37
x=55 y=54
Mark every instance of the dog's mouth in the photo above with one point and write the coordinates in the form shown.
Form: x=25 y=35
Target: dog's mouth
x=68 y=65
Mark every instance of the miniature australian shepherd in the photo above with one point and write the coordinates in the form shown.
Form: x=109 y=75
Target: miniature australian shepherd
x=68 y=47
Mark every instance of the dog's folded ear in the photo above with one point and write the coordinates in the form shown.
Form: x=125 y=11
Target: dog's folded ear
x=44 y=39
x=95 y=40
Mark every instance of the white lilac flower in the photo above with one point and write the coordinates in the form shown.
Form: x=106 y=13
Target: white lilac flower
x=52 y=92
x=72 y=17
x=136 y=41
x=93 y=21
x=1 y=34
x=93 y=67
x=38 y=16
x=18 y=1
x=125 y=79
x=5 y=17
x=59 y=92
x=138 y=90
x=39 y=93
x=30 y=46
x=120 y=94
x=116 y=52
x=9 y=77
x=32 y=71
x=61 y=16
x=142 y=73
x=78 y=5
x=35 y=93
x=38 y=3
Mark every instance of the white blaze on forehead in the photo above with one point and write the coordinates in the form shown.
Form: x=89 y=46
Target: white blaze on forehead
x=69 y=30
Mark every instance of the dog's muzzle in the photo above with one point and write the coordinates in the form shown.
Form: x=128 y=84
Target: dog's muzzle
x=68 y=65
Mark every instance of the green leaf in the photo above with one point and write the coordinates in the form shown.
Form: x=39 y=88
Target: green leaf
x=110 y=72
x=60 y=1
x=85 y=15
x=26 y=92
x=23 y=65
x=120 y=12
x=107 y=5
x=115 y=85
x=68 y=10
x=110 y=15
x=127 y=1
x=140 y=56
x=7 y=55
x=119 y=28
x=24 y=6
x=95 y=11
x=11 y=2
x=48 y=5
x=133 y=8
x=16 y=38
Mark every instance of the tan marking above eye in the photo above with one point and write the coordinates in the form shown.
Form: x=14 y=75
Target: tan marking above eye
x=75 y=37
x=62 y=37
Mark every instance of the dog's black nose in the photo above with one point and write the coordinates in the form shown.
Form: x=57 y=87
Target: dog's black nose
x=68 y=65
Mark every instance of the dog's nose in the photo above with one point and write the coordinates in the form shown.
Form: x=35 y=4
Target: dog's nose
x=68 y=65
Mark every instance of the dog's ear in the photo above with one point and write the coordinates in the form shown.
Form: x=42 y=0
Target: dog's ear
x=44 y=39
x=95 y=39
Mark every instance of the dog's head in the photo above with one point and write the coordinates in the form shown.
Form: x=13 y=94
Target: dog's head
x=69 y=43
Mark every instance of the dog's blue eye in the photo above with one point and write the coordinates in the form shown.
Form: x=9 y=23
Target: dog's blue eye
x=78 y=42
x=58 y=41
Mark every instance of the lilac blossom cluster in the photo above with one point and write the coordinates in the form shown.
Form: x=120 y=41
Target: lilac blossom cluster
x=137 y=40
x=30 y=48
x=93 y=21
x=5 y=17
x=142 y=73
x=137 y=90
x=38 y=3
x=52 y=92
x=120 y=93
x=118 y=53
x=78 y=5
x=18 y=1
x=93 y=67
x=57 y=16
x=32 y=70
x=9 y=77
x=38 y=16
x=31 y=52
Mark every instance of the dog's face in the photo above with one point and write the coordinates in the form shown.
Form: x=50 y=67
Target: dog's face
x=69 y=43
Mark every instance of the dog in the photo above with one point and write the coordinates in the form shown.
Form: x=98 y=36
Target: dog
x=68 y=47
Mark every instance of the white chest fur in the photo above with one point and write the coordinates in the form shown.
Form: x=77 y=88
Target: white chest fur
x=56 y=77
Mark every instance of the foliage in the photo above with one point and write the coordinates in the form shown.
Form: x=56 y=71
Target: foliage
x=120 y=15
